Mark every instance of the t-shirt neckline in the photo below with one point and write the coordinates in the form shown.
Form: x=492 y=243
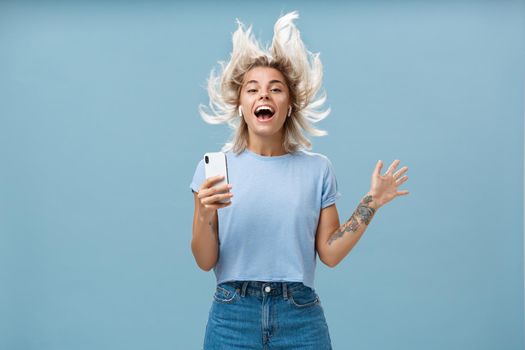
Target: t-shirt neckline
x=271 y=158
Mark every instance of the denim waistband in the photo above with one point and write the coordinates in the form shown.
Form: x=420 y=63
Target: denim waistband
x=261 y=287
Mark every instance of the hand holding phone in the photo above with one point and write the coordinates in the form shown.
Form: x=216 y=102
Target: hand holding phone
x=215 y=165
x=210 y=196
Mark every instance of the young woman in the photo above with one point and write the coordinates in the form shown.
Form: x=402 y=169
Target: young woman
x=281 y=213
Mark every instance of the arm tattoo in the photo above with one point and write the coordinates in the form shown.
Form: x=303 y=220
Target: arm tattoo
x=363 y=212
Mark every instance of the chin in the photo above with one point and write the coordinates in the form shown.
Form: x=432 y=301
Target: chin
x=266 y=133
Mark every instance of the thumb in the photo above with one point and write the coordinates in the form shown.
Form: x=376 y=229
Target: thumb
x=379 y=165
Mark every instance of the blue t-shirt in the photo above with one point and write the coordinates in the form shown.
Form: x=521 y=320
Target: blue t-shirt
x=268 y=232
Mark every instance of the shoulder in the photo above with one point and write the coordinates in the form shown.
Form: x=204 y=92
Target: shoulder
x=315 y=157
x=200 y=163
x=231 y=154
x=199 y=166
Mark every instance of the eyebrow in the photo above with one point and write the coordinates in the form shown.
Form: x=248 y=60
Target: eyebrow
x=271 y=82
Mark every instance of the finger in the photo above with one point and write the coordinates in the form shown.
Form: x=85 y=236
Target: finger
x=211 y=180
x=217 y=206
x=400 y=172
x=206 y=192
x=402 y=193
x=401 y=180
x=224 y=187
x=208 y=182
x=216 y=198
x=392 y=166
x=379 y=165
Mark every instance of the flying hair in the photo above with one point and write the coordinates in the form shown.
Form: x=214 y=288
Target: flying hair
x=303 y=73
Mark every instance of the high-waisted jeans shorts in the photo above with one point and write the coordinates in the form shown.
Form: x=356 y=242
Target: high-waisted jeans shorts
x=266 y=315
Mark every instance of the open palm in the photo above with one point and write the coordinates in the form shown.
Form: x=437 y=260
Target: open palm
x=384 y=187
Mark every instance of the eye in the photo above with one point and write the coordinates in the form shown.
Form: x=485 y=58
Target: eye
x=276 y=90
x=251 y=90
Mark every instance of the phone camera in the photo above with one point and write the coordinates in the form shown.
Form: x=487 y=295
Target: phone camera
x=206 y=159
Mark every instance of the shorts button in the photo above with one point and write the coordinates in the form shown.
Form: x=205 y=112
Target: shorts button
x=267 y=289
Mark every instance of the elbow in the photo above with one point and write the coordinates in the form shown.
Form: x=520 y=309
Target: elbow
x=330 y=262
x=204 y=263
x=205 y=268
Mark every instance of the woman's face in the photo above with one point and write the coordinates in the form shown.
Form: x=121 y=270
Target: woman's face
x=264 y=100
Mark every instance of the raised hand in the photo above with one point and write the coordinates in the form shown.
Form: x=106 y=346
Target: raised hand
x=384 y=187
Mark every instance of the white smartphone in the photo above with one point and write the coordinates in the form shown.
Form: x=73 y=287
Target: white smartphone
x=215 y=164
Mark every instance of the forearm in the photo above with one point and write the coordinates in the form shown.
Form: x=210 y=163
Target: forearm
x=205 y=242
x=347 y=235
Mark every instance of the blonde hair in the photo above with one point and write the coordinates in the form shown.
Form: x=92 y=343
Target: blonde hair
x=303 y=73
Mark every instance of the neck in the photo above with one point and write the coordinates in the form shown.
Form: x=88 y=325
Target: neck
x=266 y=147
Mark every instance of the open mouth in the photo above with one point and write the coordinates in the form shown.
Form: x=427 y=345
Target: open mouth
x=264 y=113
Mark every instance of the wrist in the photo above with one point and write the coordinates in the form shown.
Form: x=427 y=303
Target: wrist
x=205 y=216
x=375 y=203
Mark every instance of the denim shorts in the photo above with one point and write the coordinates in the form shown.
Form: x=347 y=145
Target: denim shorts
x=266 y=315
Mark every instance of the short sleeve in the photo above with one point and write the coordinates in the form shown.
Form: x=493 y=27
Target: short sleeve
x=330 y=188
x=198 y=177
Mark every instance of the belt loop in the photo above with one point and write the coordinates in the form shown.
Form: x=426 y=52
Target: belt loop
x=285 y=291
x=244 y=286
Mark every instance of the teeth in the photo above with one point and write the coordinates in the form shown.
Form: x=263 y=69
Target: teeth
x=260 y=108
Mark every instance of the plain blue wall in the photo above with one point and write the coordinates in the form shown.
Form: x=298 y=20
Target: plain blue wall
x=100 y=136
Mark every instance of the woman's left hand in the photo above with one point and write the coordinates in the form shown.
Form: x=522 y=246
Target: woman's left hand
x=384 y=187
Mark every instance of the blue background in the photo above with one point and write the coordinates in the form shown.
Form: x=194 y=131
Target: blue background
x=100 y=136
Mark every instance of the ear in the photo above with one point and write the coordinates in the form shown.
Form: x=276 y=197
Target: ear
x=240 y=111
x=290 y=111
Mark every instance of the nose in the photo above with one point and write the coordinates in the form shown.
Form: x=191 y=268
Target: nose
x=263 y=94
